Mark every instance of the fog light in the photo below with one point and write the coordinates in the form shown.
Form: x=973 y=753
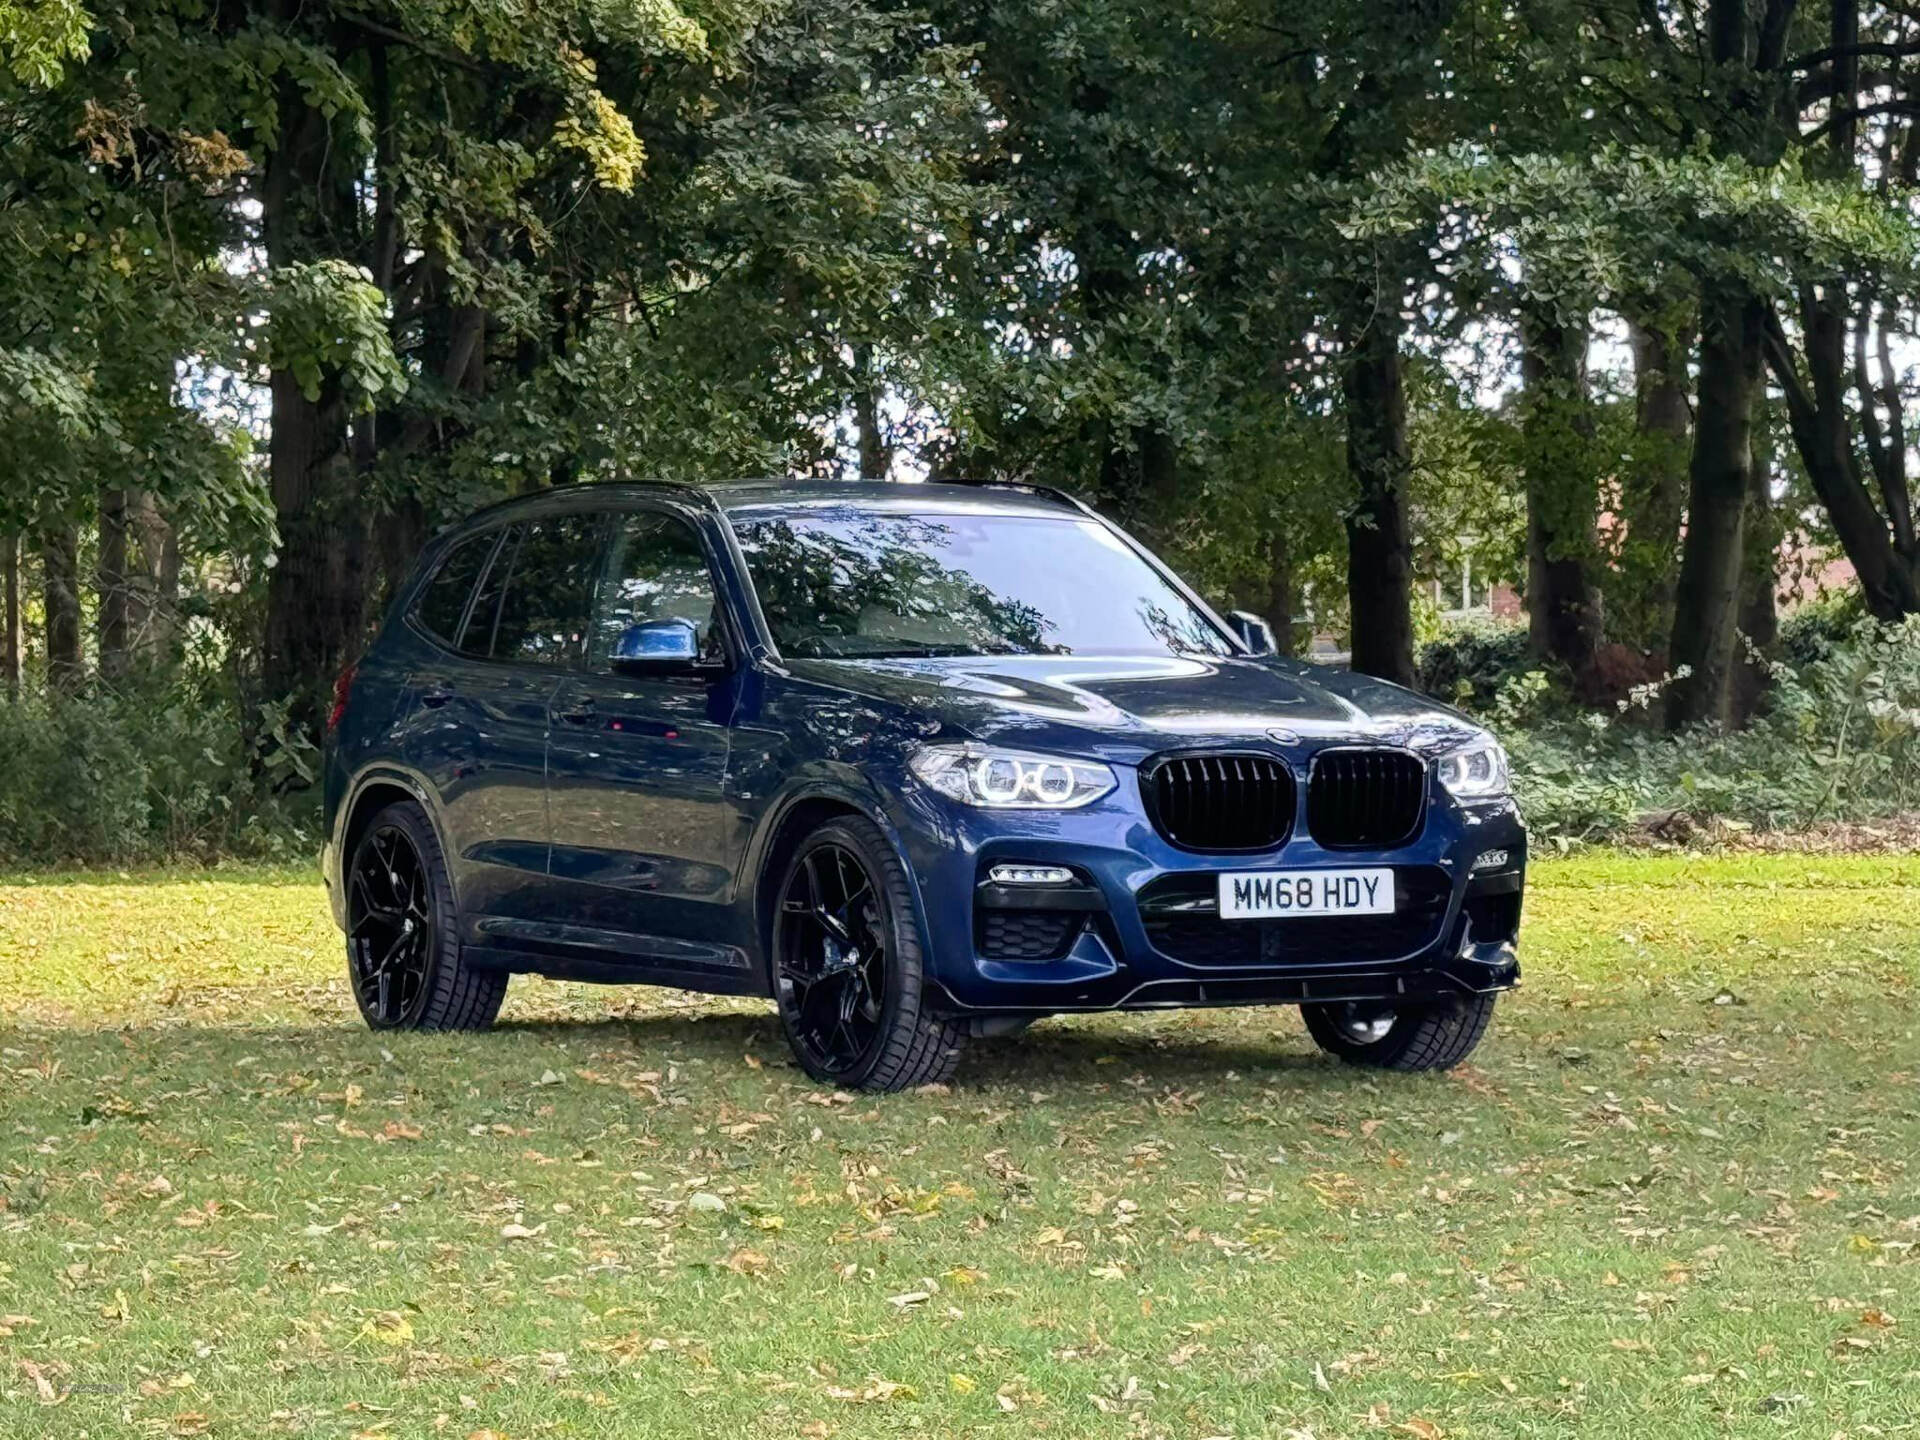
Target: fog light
x=1491 y=860
x=1030 y=875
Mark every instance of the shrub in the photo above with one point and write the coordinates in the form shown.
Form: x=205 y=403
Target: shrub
x=144 y=774
x=1841 y=740
x=1469 y=661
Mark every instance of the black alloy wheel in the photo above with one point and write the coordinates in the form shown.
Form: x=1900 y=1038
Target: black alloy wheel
x=404 y=956
x=389 y=927
x=1434 y=1035
x=847 y=966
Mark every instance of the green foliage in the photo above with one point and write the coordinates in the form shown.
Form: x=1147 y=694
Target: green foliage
x=1841 y=740
x=329 y=324
x=38 y=38
x=1468 y=664
x=1608 y=226
x=149 y=773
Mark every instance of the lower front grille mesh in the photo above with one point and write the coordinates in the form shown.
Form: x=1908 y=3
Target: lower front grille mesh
x=1182 y=923
x=1027 y=934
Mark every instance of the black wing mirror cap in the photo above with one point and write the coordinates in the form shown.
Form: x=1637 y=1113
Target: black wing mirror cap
x=658 y=647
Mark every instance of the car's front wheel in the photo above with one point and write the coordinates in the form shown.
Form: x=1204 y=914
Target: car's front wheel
x=404 y=955
x=1435 y=1036
x=848 y=966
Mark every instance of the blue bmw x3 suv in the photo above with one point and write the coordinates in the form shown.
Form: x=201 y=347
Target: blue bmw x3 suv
x=917 y=761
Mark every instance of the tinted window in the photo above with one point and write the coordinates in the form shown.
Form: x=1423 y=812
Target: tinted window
x=548 y=591
x=443 y=604
x=836 y=580
x=657 y=572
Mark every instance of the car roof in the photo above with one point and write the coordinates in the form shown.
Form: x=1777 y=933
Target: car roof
x=784 y=494
x=906 y=495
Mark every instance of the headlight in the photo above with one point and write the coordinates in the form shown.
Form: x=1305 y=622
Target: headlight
x=1477 y=771
x=1010 y=779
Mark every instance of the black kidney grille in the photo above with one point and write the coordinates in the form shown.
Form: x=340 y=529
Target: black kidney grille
x=1221 y=802
x=1365 y=799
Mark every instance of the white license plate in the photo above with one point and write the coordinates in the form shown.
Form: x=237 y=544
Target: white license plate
x=1268 y=894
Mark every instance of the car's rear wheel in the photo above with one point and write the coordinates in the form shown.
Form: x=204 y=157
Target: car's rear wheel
x=1433 y=1036
x=848 y=966
x=404 y=955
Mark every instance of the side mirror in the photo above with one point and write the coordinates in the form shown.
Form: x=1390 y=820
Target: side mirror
x=1255 y=633
x=657 y=647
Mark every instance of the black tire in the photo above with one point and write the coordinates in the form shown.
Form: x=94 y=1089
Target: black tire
x=901 y=1044
x=1435 y=1036
x=404 y=979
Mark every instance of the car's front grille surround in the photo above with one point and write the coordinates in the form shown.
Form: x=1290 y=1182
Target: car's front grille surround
x=1181 y=917
x=1224 y=802
x=1366 y=799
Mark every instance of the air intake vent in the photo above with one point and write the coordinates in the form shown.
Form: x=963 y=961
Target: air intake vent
x=1221 y=802
x=1366 y=799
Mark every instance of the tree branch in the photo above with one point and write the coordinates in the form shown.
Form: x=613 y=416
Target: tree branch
x=1889 y=49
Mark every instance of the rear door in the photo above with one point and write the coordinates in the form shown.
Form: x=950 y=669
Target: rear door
x=479 y=728
x=636 y=767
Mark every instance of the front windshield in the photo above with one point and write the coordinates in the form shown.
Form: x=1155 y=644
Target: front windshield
x=840 y=581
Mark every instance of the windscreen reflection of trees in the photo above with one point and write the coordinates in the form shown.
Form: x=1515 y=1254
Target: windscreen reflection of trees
x=816 y=585
x=823 y=588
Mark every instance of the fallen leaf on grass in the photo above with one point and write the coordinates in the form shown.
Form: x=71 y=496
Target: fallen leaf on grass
x=389 y=1327
x=42 y=1385
x=748 y=1262
x=875 y=1391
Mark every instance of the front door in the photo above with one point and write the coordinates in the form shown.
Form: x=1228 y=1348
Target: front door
x=636 y=765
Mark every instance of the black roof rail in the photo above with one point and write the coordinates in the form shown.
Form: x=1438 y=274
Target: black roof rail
x=680 y=489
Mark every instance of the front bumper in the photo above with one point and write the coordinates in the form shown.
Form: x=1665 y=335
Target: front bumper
x=1149 y=939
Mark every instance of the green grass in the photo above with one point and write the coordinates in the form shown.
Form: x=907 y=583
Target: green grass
x=1678 y=1194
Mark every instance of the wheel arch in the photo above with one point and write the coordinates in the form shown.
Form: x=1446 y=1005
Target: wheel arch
x=370 y=793
x=789 y=822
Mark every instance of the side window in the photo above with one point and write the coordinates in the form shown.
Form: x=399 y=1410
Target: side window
x=443 y=604
x=549 y=590
x=657 y=571
x=484 y=618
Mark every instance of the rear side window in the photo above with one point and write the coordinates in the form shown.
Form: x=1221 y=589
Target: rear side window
x=443 y=604
x=485 y=618
x=549 y=591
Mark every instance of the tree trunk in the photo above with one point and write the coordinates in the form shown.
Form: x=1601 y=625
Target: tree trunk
x=114 y=619
x=153 y=611
x=1655 y=494
x=1282 y=591
x=316 y=595
x=876 y=456
x=60 y=569
x=1759 y=581
x=10 y=614
x=1563 y=604
x=1379 y=549
x=1720 y=478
